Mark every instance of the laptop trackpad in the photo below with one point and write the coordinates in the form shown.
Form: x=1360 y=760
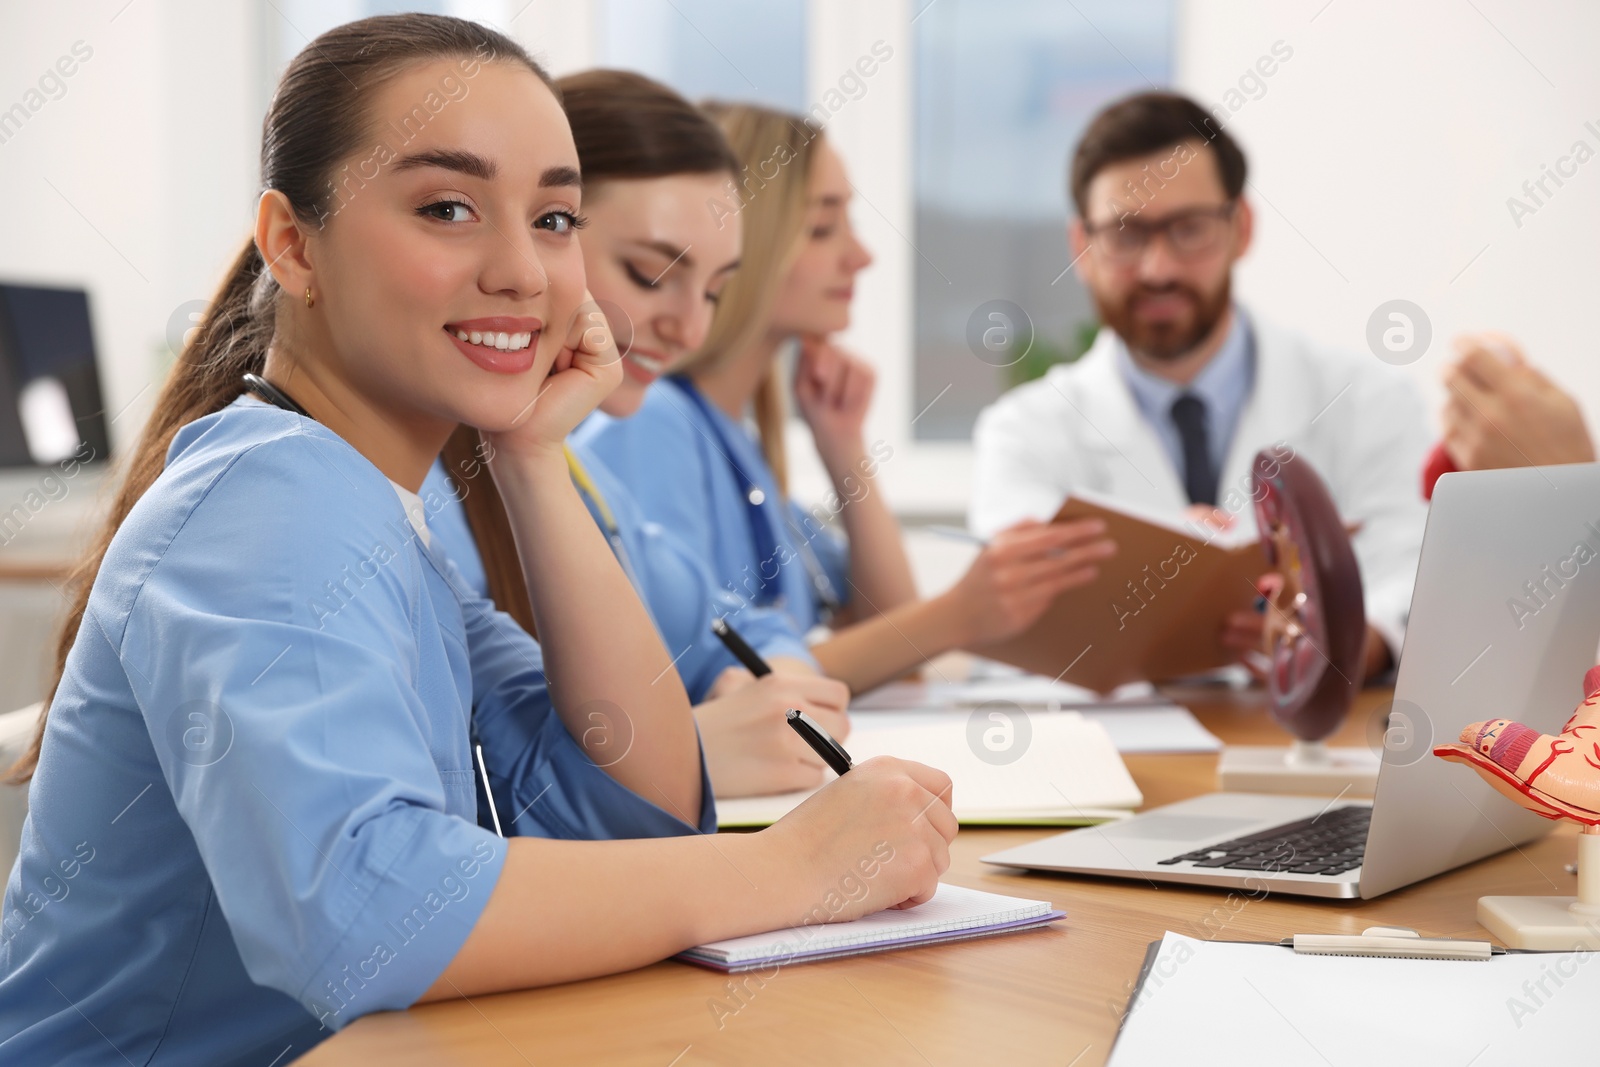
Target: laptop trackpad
x=1187 y=828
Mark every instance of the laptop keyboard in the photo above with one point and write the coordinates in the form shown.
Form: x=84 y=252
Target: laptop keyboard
x=1330 y=844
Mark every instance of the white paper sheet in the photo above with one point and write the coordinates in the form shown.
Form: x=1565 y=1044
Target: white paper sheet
x=1208 y=1002
x=1169 y=729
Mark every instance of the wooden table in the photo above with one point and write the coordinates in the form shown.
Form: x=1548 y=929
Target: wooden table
x=1051 y=996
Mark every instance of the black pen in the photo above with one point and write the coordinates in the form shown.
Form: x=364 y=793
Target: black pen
x=832 y=753
x=740 y=648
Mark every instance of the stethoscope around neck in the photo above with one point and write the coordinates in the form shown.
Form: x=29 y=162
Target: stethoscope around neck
x=608 y=520
x=761 y=521
x=273 y=395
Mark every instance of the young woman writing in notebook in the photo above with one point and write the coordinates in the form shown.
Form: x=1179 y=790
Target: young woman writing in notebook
x=656 y=260
x=252 y=812
x=694 y=467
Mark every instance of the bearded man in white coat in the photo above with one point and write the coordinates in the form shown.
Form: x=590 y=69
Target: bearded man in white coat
x=1183 y=385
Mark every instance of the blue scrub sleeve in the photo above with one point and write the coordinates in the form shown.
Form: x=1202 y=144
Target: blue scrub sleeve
x=322 y=823
x=769 y=631
x=544 y=784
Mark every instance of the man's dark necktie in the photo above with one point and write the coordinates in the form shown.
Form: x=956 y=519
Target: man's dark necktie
x=1199 y=476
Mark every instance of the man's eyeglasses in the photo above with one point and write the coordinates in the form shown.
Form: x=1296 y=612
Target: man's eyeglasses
x=1190 y=234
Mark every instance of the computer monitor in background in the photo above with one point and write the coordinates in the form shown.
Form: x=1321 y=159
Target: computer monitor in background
x=50 y=402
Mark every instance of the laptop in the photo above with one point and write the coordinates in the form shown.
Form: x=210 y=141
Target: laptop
x=1505 y=620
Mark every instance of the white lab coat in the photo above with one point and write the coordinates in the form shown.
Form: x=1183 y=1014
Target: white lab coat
x=1360 y=423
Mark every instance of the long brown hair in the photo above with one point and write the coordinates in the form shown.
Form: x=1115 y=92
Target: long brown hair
x=318 y=116
x=625 y=126
x=775 y=150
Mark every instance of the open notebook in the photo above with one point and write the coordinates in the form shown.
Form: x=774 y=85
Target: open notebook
x=954 y=914
x=1069 y=772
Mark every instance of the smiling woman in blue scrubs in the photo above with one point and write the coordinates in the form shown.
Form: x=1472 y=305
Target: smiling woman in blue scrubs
x=695 y=467
x=656 y=261
x=252 y=813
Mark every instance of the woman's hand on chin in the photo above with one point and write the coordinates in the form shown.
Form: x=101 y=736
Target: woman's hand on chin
x=585 y=371
x=833 y=390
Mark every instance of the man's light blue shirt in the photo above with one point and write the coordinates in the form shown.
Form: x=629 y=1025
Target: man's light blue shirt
x=1223 y=384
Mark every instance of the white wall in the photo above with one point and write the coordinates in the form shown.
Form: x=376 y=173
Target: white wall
x=559 y=33
x=1385 y=150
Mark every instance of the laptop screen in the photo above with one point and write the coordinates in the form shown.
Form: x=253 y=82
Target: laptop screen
x=50 y=403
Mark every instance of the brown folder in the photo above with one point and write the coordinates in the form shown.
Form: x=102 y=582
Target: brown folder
x=1156 y=611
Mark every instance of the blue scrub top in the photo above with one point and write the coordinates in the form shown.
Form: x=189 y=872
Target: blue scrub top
x=678 y=459
x=681 y=596
x=254 y=816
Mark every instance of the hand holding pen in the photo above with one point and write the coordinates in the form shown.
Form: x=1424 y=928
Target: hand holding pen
x=908 y=803
x=821 y=742
x=749 y=749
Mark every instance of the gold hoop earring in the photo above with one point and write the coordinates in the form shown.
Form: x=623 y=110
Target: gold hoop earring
x=311 y=301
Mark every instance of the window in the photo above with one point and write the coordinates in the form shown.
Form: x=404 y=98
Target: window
x=746 y=50
x=1002 y=89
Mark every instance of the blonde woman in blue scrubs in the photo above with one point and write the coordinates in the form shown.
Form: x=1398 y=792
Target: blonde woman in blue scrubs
x=695 y=467
x=252 y=811
x=656 y=260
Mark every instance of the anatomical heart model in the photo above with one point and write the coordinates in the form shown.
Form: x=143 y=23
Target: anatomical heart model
x=1557 y=777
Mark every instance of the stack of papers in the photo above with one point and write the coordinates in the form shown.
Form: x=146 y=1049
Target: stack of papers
x=954 y=914
x=1066 y=771
x=1137 y=717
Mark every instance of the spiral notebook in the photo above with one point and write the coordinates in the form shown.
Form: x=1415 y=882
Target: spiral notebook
x=954 y=914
